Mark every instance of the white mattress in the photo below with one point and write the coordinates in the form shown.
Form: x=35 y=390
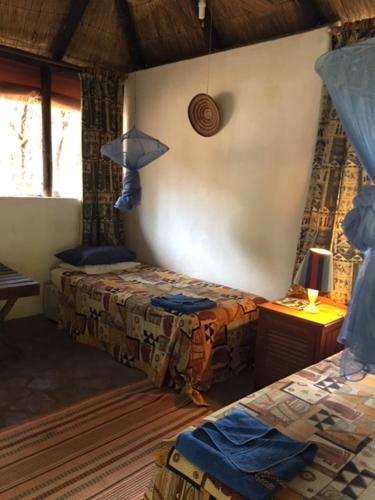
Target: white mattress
x=56 y=276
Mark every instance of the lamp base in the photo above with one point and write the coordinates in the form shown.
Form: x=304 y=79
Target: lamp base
x=311 y=308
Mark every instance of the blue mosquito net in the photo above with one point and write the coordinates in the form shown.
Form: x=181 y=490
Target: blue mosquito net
x=133 y=151
x=349 y=74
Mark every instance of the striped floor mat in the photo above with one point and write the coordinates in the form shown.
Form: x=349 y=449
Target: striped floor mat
x=103 y=447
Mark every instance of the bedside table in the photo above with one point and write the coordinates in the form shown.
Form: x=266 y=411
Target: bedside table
x=289 y=340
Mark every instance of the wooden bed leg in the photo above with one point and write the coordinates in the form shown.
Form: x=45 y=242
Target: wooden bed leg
x=6 y=308
x=10 y=351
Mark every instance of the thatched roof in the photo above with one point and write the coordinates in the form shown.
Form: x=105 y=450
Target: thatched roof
x=131 y=34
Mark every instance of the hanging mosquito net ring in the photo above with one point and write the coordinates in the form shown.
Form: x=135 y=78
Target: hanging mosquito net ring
x=133 y=151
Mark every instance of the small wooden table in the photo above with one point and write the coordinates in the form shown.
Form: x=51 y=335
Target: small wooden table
x=14 y=286
x=289 y=340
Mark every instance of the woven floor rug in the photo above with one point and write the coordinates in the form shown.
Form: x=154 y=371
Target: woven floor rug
x=102 y=447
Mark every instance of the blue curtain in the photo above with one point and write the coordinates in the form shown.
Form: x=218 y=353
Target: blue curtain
x=349 y=75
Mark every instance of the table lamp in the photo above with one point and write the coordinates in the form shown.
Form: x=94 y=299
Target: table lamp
x=315 y=274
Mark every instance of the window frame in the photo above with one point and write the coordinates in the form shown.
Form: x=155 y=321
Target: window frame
x=45 y=80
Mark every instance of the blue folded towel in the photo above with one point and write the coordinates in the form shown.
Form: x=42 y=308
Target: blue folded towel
x=245 y=454
x=182 y=304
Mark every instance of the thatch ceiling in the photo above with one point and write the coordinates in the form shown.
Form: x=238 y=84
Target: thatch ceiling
x=128 y=34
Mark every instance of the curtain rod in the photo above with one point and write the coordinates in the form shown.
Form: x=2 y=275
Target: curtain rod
x=36 y=60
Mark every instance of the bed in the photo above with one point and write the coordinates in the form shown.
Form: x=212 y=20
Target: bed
x=188 y=352
x=314 y=404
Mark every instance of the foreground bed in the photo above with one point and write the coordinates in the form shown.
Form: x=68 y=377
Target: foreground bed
x=313 y=404
x=190 y=352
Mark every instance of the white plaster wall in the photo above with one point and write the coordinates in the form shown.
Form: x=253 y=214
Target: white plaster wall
x=32 y=230
x=228 y=208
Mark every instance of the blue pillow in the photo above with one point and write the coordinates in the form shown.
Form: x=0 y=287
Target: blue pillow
x=84 y=255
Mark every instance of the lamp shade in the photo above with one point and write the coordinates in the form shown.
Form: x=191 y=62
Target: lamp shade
x=316 y=270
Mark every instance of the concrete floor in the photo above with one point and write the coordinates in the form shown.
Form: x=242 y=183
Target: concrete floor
x=42 y=369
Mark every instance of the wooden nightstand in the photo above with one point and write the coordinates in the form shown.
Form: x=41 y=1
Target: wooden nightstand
x=289 y=340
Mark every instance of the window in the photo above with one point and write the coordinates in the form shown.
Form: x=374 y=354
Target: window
x=22 y=162
x=21 y=158
x=66 y=150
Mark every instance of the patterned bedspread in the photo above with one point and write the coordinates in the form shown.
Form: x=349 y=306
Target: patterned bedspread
x=190 y=352
x=313 y=404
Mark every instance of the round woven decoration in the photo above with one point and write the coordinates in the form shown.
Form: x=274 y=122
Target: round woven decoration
x=204 y=115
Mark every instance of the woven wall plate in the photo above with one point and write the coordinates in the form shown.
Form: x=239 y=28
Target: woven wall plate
x=204 y=115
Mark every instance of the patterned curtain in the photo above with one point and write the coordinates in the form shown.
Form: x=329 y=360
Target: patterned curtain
x=102 y=115
x=336 y=179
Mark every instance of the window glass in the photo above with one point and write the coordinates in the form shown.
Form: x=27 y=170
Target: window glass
x=66 y=149
x=21 y=156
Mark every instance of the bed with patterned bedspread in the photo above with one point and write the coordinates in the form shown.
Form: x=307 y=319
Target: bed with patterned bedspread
x=315 y=405
x=188 y=352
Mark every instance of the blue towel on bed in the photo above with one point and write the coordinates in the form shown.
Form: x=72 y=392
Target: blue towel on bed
x=245 y=454
x=182 y=303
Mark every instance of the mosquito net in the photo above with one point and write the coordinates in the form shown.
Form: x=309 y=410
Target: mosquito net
x=133 y=151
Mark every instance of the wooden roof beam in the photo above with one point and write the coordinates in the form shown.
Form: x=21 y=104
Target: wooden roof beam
x=314 y=14
x=68 y=28
x=258 y=8
x=130 y=35
x=211 y=36
x=35 y=59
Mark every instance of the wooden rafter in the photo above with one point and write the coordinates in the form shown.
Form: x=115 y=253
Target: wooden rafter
x=68 y=28
x=211 y=36
x=130 y=35
x=313 y=13
x=35 y=59
x=258 y=7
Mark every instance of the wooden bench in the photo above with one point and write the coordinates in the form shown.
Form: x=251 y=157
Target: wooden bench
x=14 y=286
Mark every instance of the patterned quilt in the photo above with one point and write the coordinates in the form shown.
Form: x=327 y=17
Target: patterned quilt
x=314 y=404
x=189 y=352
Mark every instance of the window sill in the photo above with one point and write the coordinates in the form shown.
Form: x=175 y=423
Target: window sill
x=28 y=197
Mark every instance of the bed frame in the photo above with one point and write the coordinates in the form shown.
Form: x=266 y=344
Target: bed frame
x=113 y=312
